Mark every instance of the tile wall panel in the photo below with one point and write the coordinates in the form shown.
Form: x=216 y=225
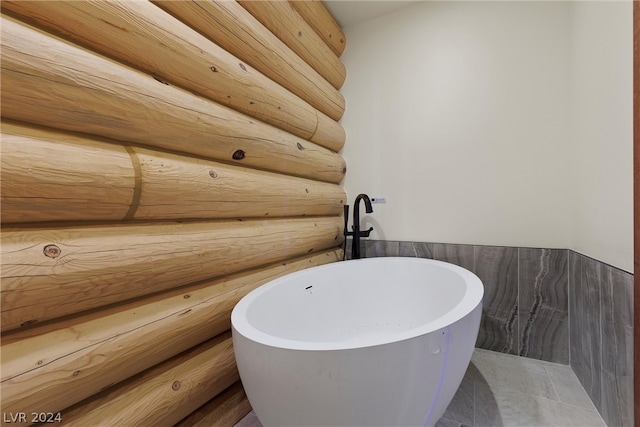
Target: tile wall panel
x=601 y=329
x=549 y=304
x=543 y=304
x=462 y=255
x=497 y=267
x=617 y=346
x=591 y=344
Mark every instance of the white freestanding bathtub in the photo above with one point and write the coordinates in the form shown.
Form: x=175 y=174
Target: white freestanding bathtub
x=371 y=342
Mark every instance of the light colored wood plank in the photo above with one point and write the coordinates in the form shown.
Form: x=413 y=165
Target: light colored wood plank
x=48 y=273
x=225 y=410
x=282 y=20
x=181 y=187
x=164 y=394
x=233 y=28
x=321 y=20
x=50 y=82
x=328 y=131
x=53 y=366
x=53 y=176
x=140 y=34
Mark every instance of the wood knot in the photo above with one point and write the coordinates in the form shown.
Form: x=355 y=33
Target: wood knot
x=238 y=155
x=300 y=146
x=214 y=69
x=187 y=296
x=344 y=169
x=243 y=67
x=52 y=251
x=176 y=385
x=213 y=174
x=76 y=373
x=306 y=190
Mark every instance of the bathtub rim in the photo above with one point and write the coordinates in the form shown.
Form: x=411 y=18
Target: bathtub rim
x=471 y=299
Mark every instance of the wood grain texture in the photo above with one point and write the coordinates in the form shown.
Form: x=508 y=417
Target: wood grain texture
x=53 y=176
x=329 y=134
x=175 y=187
x=53 y=83
x=114 y=322
x=315 y=13
x=144 y=36
x=285 y=22
x=164 y=394
x=53 y=366
x=48 y=273
x=226 y=409
x=230 y=26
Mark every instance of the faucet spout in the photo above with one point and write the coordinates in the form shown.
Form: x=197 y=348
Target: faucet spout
x=367 y=202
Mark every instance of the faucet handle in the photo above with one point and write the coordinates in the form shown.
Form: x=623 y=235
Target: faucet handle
x=365 y=233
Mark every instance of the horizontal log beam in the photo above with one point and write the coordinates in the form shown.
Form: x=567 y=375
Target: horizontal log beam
x=178 y=187
x=327 y=131
x=49 y=273
x=50 y=82
x=164 y=394
x=225 y=410
x=321 y=20
x=142 y=35
x=286 y=23
x=54 y=176
x=230 y=26
x=105 y=347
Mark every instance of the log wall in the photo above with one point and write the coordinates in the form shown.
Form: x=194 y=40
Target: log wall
x=159 y=161
x=283 y=20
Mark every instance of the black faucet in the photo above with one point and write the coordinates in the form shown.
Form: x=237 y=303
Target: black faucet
x=356 y=233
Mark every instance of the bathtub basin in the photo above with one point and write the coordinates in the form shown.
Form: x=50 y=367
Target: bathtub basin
x=371 y=342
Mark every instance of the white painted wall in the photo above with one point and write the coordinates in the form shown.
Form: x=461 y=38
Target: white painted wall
x=457 y=112
x=460 y=114
x=602 y=131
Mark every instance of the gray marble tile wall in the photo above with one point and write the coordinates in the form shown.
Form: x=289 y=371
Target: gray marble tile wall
x=543 y=304
x=525 y=308
x=549 y=304
x=601 y=335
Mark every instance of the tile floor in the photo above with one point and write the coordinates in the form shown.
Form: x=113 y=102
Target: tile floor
x=504 y=390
